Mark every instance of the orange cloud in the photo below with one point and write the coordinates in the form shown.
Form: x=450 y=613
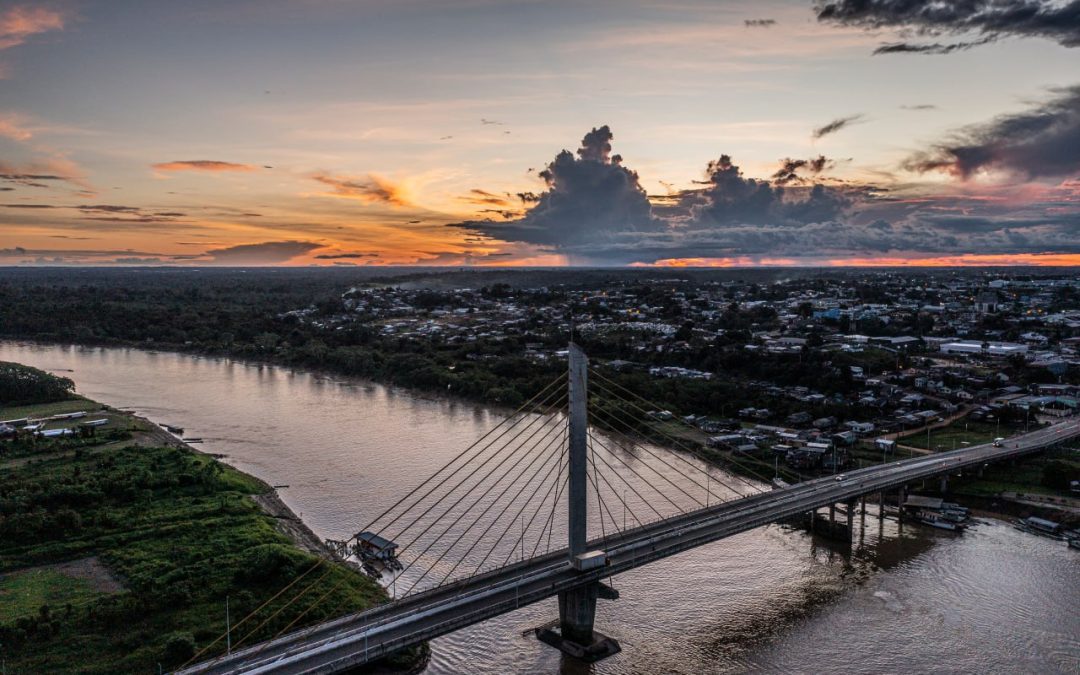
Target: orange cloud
x=203 y=165
x=10 y=127
x=19 y=22
x=373 y=189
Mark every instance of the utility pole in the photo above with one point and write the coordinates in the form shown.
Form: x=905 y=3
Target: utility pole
x=228 y=628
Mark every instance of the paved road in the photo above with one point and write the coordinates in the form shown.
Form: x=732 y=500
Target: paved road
x=359 y=638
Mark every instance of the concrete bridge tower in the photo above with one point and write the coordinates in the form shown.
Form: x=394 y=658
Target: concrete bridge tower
x=577 y=607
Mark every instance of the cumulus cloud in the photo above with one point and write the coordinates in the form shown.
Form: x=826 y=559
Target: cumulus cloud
x=836 y=125
x=730 y=198
x=203 y=165
x=589 y=196
x=1041 y=142
x=1058 y=21
x=20 y=22
x=264 y=253
x=372 y=189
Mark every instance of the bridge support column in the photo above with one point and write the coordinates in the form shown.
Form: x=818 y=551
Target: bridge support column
x=881 y=506
x=851 y=517
x=577 y=614
x=901 y=498
x=944 y=485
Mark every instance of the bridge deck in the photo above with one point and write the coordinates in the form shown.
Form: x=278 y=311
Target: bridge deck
x=360 y=638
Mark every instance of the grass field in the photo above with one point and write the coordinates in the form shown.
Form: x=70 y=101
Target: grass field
x=23 y=594
x=46 y=409
x=955 y=435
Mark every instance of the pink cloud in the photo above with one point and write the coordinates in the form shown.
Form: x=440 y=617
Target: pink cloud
x=20 y=22
x=202 y=165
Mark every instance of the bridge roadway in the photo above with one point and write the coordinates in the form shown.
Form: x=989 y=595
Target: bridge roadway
x=356 y=639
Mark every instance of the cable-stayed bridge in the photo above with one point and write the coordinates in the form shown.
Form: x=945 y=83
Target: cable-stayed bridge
x=568 y=491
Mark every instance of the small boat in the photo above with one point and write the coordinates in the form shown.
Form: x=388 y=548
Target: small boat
x=934 y=519
x=173 y=429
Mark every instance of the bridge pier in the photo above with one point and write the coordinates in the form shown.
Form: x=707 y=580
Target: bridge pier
x=944 y=485
x=850 y=517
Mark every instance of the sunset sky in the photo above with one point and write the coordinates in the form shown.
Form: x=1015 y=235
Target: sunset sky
x=367 y=132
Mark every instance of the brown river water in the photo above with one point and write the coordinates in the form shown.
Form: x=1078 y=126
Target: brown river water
x=910 y=600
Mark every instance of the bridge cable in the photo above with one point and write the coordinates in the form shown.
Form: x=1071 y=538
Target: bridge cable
x=520 y=540
x=615 y=492
x=666 y=478
x=478 y=499
x=540 y=507
x=628 y=483
x=541 y=418
x=511 y=484
x=550 y=525
x=675 y=440
x=706 y=463
x=702 y=469
x=732 y=460
x=530 y=404
x=561 y=483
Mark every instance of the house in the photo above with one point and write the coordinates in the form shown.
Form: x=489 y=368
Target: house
x=885 y=444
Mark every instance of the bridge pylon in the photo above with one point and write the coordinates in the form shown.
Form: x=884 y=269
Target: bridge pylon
x=576 y=635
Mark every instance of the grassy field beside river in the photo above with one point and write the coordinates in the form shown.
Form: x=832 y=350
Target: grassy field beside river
x=117 y=554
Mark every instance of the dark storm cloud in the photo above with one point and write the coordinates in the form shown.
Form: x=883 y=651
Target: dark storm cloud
x=589 y=196
x=730 y=198
x=1058 y=21
x=790 y=168
x=29 y=206
x=836 y=125
x=1041 y=142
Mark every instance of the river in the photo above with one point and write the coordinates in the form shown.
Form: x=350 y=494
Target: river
x=911 y=599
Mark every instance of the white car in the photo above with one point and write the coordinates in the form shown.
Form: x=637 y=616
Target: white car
x=839 y=478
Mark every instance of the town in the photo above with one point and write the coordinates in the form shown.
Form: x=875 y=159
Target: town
x=828 y=370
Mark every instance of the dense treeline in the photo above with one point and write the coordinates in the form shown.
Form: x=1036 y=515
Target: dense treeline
x=23 y=385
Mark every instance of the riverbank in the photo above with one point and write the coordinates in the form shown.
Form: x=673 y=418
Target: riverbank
x=118 y=556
